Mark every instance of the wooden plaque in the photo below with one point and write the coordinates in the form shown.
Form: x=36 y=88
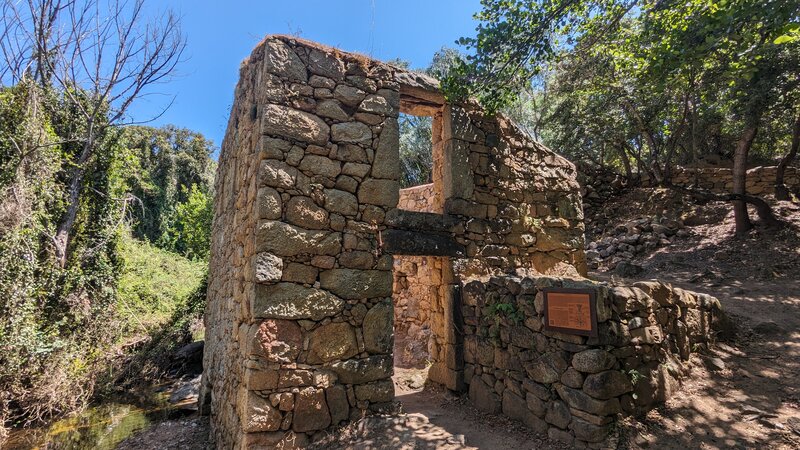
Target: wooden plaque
x=571 y=311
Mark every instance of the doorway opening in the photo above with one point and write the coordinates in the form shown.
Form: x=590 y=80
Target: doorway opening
x=419 y=280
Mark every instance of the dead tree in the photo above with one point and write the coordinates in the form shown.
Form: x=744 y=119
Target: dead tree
x=101 y=57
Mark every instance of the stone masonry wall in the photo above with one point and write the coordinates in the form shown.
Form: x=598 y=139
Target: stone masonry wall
x=572 y=387
x=299 y=318
x=760 y=180
x=417 y=198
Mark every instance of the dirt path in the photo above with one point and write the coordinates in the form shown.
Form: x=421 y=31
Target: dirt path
x=754 y=401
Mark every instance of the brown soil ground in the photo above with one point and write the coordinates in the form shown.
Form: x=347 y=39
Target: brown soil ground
x=751 y=403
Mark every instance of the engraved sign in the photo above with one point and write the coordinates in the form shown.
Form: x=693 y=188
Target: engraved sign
x=570 y=311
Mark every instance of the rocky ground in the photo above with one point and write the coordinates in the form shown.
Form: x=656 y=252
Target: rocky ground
x=743 y=395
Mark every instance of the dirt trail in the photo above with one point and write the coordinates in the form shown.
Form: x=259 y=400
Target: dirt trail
x=754 y=401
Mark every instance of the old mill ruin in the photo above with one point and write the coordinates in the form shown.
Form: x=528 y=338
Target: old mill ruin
x=321 y=263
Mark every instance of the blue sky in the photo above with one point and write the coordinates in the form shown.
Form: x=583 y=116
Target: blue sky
x=221 y=34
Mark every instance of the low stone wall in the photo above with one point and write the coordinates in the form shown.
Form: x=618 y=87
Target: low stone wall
x=572 y=387
x=417 y=198
x=760 y=180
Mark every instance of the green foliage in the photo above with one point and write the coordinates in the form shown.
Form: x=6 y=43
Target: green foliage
x=188 y=230
x=638 y=85
x=54 y=323
x=62 y=331
x=165 y=166
x=416 y=152
x=154 y=284
x=508 y=310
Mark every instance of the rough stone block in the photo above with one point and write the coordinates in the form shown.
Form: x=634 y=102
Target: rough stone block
x=516 y=408
x=387 y=156
x=276 y=340
x=378 y=192
x=593 y=361
x=401 y=242
x=282 y=121
x=341 y=202
x=337 y=403
x=357 y=284
x=294 y=301
x=376 y=392
x=287 y=240
x=332 y=342
x=378 y=328
x=311 y=410
x=358 y=371
x=483 y=396
x=268 y=267
x=351 y=132
x=259 y=415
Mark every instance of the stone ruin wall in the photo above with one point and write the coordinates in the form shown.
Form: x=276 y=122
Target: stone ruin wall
x=760 y=180
x=572 y=387
x=599 y=185
x=299 y=319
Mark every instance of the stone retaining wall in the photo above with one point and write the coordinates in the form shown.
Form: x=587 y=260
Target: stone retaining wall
x=760 y=180
x=417 y=198
x=572 y=387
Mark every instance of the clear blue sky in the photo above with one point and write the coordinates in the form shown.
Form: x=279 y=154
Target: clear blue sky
x=221 y=34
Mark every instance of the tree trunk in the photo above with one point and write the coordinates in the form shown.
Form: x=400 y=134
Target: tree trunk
x=64 y=230
x=626 y=162
x=741 y=217
x=781 y=192
x=63 y=233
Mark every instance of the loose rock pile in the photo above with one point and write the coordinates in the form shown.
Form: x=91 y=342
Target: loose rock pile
x=636 y=237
